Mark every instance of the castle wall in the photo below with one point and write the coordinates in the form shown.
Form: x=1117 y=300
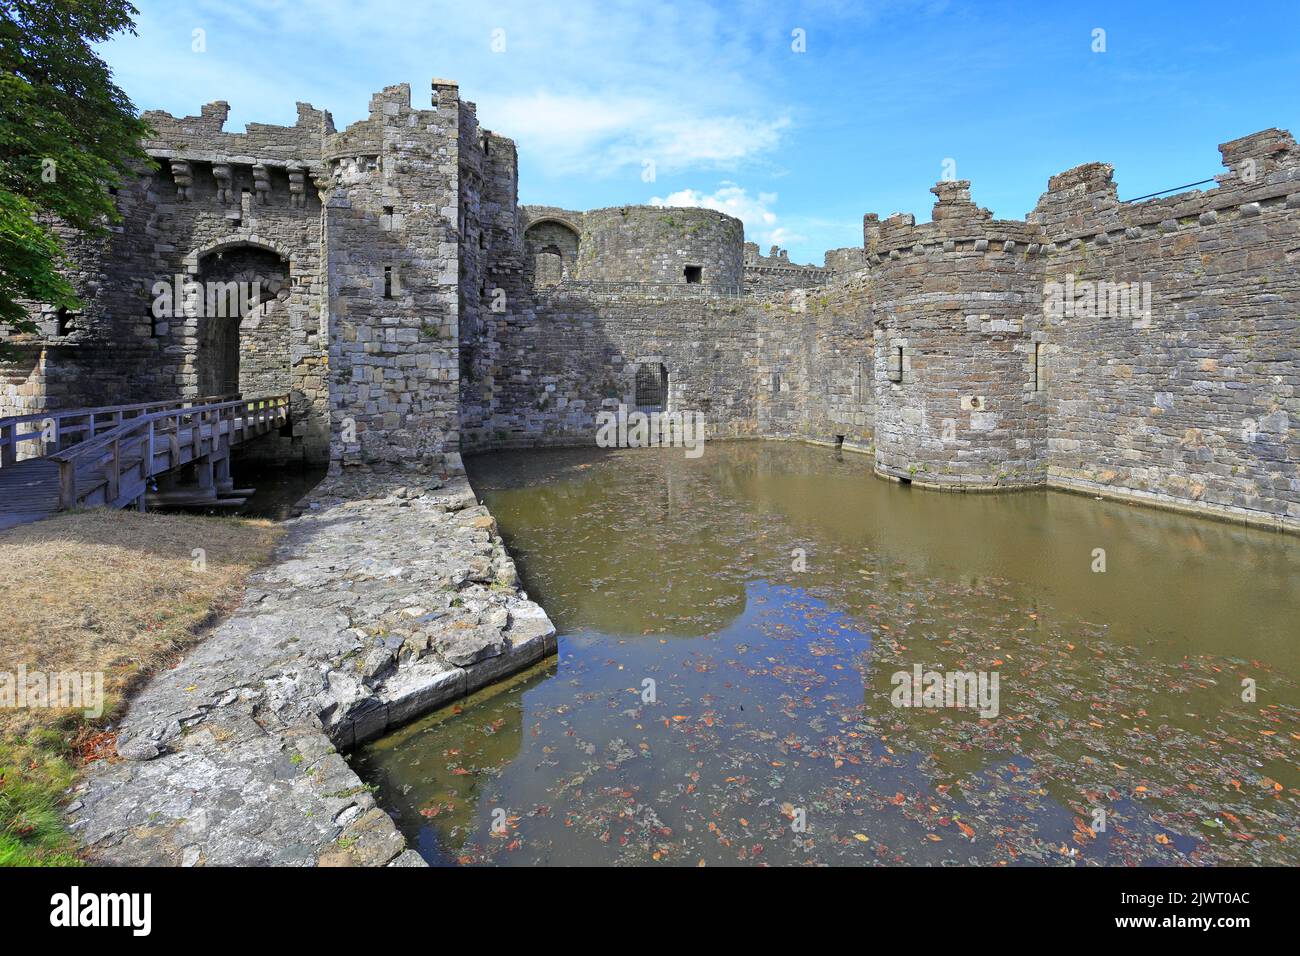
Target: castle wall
x=993 y=367
x=1197 y=404
x=496 y=275
x=211 y=195
x=411 y=308
x=816 y=365
x=775 y=272
x=653 y=244
x=220 y=196
x=391 y=240
x=951 y=347
x=560 y=358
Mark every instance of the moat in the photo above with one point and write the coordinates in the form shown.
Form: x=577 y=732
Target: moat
x=728 y=630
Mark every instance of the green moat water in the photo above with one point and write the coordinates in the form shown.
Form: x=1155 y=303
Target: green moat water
x=772 y=737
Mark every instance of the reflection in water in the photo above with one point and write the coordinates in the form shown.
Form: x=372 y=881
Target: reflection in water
x=709 y=698
x=277 y=487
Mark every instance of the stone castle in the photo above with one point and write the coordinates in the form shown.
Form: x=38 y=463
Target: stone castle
x=414 y=311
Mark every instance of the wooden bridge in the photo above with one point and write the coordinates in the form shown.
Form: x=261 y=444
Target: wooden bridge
x=110 y=456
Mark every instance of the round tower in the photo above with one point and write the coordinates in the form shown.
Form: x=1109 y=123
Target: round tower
x=955 y=365
x=662 y=245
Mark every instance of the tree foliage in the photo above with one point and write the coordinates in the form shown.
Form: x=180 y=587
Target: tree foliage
x=68 y=135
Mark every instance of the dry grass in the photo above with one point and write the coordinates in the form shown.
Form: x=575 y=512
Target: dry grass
x=116 y=591
x=109 y=591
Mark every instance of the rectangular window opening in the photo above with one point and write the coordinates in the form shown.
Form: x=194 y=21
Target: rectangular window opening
x=694 y=274
x=63 y=322
x=651 y=387
x=1038 y=367
x=388 y=282
x=896 y=364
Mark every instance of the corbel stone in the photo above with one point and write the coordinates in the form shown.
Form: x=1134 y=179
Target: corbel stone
x=184 y=177
x=297 y=187
x=225 y=185
x=262 y=183
x=324 y=182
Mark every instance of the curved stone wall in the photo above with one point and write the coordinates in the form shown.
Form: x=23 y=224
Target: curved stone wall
x=657 y=244
x=956 y=402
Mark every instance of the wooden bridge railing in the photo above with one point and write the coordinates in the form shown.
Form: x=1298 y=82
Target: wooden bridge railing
x=128 y=453
x=57 y=429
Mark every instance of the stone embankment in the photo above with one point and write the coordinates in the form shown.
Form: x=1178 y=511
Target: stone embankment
x=382 y=605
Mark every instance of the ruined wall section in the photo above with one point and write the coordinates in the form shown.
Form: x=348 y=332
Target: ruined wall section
x=221 y=193
x=775 y=272
x=538 y=371
x=391 y=238
x=656 y=245
x=1195 y=405
x=211 y=195
x=551 y=238
x=815 y=365
x=565 y=356
x=952 y=304
x=108 y=348
x=493 y=265
x=848 y=259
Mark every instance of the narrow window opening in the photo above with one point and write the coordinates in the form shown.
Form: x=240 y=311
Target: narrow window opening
x=896 y=364
x=388 y=282
x=1039 y=370
x=63 y=322
x=694 y=274
x=651 y=387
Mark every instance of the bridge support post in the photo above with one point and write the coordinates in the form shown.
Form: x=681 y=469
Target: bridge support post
x=222 y=468
x=203 y=472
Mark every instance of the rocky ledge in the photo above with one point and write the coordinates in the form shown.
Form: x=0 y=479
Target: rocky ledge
x=383 y=604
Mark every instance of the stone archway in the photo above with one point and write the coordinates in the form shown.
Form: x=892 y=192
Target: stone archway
x=552 y=249
x=243 y=325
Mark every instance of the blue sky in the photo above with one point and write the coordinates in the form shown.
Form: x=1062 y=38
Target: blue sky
x=714 y=95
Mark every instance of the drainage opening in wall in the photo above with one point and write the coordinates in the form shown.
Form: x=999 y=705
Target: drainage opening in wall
x=651 y=387
x=839 y=442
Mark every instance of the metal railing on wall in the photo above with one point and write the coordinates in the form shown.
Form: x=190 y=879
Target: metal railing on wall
x=657 y=289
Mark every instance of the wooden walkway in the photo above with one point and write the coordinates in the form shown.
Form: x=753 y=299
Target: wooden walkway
x=108 y=457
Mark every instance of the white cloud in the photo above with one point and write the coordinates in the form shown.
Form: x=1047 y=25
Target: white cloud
x=593 y=88
x=602 y=135
x=761 y=221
